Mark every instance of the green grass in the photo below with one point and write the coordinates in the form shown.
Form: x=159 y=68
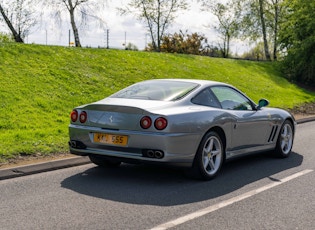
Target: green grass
x=41 y=84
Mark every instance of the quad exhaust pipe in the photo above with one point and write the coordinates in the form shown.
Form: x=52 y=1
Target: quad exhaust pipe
x=158 y=154
x=150 y=153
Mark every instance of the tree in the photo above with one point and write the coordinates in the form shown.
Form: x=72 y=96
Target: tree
x=277 y=10
x=254 y=22
x=157 y=14
x=20 y=16
x=71 y=6
x=297 y=39
x=16 y=36
x=228 y=18
x=263 y=28
x=83 y=8
x=260 y=22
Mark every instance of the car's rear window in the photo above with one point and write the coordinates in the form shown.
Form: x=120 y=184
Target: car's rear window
x=157 y=90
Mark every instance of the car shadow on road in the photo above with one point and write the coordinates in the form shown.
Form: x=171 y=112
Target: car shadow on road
x=163 y=186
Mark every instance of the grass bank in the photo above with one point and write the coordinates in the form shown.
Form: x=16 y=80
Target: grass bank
x=41 y=84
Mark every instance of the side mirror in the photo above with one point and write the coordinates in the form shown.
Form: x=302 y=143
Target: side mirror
x=262 y=103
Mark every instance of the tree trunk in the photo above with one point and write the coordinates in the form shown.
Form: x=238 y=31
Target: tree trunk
x=228 y=46
x=74 y=27
x=75 y=30
x=224 y=49
x=275 y=42
x=16 y=35
x=158 y=29
x=263 y=25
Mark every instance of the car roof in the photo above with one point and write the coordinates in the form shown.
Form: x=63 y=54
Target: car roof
x=197 y=81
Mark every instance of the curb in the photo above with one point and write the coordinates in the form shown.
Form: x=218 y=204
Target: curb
x=304 y=120
x=10 y=173
x=25 y=170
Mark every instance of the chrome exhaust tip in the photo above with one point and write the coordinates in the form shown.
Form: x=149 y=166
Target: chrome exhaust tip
x=158 y=154
x=72 y=144
x=150 y=153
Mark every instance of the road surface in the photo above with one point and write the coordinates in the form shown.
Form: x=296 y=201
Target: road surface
x=256 y=192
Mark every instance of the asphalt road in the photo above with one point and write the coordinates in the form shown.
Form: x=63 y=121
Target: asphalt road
x=256 y=192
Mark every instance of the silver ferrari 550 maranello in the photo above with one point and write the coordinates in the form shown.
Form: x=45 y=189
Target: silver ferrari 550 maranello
x=197 y=124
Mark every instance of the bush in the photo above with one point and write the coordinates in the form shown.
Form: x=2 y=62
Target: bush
x=5 y=37
x=183 y=43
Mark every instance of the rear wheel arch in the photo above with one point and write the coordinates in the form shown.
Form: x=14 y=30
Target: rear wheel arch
x=222 y=135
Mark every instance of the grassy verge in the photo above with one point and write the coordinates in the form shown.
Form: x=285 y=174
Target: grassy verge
x=39 y=86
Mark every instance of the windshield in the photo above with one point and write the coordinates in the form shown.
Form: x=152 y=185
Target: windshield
x=157 y=90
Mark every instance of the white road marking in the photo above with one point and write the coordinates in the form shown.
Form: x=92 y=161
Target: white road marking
x=228 y=202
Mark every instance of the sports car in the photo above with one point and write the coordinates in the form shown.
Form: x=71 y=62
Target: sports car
x=196 y=124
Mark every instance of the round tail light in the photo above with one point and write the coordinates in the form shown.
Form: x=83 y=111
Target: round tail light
x=145 y=122
x=83 y=117
x=160 y=123
x=74 y=115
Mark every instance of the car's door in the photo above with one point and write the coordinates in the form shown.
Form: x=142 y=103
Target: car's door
x=250 y=127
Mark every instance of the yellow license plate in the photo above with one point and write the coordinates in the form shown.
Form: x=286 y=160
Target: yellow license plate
x=110 y=139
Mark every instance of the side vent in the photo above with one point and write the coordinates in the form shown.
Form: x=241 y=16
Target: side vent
x=273 y=134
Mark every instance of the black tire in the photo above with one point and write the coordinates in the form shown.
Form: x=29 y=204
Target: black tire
x=209 y=157
x=104 y=162
x=285 y=140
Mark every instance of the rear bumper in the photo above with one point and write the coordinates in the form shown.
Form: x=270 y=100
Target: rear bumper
x=177 y=148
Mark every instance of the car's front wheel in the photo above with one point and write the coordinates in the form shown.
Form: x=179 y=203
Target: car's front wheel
x=285 y=140
x=209 y=157
x=104 y=162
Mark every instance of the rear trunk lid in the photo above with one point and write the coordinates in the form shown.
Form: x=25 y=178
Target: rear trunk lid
x=117 y=113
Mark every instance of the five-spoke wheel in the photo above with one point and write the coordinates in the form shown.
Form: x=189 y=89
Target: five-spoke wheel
x=285 y=140
x=209 y=157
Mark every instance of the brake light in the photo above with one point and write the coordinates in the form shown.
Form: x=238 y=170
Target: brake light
x=160 y=123
x=74 y=115
x=83 y=117
x=145 y=122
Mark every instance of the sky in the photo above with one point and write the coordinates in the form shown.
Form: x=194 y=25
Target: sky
x=122 y=30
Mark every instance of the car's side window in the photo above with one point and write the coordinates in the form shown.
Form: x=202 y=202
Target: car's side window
x=207 y=98
x=230 y=98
